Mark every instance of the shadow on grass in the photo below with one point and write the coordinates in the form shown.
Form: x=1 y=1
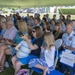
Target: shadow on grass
x=10 y=71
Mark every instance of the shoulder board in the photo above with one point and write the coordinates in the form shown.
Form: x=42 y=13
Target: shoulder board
x=74 y=34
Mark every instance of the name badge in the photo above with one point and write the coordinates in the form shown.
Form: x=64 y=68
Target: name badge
x=70 y=38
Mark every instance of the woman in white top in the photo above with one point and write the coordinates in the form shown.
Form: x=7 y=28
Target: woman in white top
x=46 y=61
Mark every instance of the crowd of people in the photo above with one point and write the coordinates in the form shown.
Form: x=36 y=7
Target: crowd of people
x=30 y=40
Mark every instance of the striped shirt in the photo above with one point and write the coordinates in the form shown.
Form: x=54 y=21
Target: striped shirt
x=24 y=50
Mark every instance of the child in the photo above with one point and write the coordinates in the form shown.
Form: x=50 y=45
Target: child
x=3 y=29
x=23 y=49
x=46 y=61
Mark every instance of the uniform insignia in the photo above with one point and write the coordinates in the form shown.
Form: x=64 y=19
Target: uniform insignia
x=70 y=38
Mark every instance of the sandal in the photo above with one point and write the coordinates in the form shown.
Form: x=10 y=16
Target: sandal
x=1 y=70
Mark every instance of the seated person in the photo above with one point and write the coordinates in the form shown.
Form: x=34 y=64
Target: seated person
x=46 y=27
x=35 y=48
x=8 y=37
x=46 y=61
x=10 y=33
x=69 y=44
x=23 y=49
x=57 y=32
x=9 y=49
x=3 y=29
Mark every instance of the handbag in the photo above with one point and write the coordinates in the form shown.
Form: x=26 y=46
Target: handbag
x=24 y=72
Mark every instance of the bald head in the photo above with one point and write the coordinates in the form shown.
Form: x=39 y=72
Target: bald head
x=69 y=27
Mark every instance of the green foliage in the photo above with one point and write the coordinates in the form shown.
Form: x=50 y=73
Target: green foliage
x=67 y=11
x=35 y=3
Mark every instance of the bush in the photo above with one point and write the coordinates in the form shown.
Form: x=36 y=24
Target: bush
x=67 y=11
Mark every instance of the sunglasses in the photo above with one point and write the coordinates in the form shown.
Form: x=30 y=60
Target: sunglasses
x=33 y=31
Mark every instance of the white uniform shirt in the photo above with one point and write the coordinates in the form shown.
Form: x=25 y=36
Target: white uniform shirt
x=69 y=40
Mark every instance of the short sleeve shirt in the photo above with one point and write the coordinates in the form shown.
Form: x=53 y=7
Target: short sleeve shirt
x=38 y=42
x=69 y=40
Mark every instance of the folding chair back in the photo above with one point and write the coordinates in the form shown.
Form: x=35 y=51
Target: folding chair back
x=58 y=44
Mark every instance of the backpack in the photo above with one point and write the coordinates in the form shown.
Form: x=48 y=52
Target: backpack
x=23 y=72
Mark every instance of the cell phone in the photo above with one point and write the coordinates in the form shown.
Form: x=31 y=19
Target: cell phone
x=20 y=34
x=13 y=45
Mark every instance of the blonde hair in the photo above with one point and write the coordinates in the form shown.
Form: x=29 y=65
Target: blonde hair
x=3 y=20
x=22 y=26
x=3 y=24
x=49 y=39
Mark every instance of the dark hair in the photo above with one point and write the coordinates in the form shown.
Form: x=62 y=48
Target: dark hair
x=48 y=26
x=68 y=15
x=62 y=20
x=59 y=30
x=68 y=22
x=39 y=31
x=38 y=19
x=44 y=19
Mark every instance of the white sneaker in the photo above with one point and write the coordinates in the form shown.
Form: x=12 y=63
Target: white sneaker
x=6 y=64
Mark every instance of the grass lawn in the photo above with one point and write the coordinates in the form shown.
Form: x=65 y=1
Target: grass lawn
x=10 y=71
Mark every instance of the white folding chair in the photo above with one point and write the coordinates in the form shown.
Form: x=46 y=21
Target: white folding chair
x=58 y=44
